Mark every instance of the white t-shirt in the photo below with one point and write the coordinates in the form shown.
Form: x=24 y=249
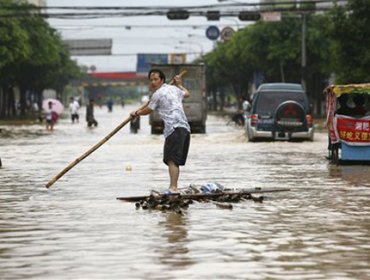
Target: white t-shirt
x=246 y=105
x=49 y=114
x=167 y=100
x=73 y=107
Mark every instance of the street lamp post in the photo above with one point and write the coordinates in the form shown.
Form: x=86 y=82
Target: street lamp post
x=303 y=46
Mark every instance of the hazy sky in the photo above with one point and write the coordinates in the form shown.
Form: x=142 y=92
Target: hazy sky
x=145 y=34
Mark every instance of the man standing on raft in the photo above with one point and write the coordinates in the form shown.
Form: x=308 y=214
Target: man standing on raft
x=167 y=100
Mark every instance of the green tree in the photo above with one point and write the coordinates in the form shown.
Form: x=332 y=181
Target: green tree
x=270 y=48
x=274 y=49
x=39 y=60
x=350 y=34
x=13 y=47
x=318 y=59
x=32 y=72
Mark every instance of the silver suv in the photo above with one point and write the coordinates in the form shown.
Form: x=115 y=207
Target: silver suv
x=280 y=111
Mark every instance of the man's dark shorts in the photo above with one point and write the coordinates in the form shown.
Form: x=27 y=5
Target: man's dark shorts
x=176 y=146
x=74 y=117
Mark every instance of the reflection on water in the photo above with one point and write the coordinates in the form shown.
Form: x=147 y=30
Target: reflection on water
x=355 y=175
x=174 y=252
x=77 y=229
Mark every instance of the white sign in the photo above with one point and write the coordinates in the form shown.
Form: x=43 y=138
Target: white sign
x=89 y=46
x=227 y=33
x=271 y=16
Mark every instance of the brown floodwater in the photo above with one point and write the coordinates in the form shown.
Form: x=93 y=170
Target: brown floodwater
x=77 y=229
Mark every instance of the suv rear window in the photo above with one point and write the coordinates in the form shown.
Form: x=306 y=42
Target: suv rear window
x=268 y=101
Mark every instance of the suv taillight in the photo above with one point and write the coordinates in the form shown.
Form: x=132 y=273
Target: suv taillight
x=254 y=119
x=309 y=120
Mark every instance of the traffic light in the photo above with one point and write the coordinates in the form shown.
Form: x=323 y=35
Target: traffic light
x=249 y=16
x=177 y=14
x=213 y=15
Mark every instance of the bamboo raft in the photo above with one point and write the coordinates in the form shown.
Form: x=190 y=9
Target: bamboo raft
x=178 y=201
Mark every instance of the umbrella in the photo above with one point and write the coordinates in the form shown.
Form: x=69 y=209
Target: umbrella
x=57 y=105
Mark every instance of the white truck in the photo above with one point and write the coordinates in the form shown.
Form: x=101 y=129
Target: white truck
x=195 y=106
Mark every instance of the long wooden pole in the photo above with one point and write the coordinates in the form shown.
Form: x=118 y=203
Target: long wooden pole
x=100 y=143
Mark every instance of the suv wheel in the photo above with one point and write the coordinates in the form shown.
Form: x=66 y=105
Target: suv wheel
x=290 y=115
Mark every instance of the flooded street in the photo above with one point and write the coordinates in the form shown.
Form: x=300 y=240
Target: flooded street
x=78 y=230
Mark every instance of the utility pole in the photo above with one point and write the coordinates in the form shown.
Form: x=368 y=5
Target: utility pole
x=303 y=46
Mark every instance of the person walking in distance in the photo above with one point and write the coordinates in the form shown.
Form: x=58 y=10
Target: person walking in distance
x=74 y=106
x=90 y=114
x=51 y=117
x=167 y=100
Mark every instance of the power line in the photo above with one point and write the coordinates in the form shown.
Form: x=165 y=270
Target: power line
x=160 y=8
x=94 y=12
x=134 y=26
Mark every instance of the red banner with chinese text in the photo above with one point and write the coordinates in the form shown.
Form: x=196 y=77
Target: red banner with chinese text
x=330 y=110
x=352 y=131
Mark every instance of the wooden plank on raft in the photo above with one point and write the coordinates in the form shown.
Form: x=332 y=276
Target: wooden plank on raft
x=199 y=196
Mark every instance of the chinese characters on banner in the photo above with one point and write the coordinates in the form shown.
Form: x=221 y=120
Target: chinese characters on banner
x=352 y=131
x=330 y=109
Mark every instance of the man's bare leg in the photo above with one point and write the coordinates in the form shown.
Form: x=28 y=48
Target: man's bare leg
x=174 y=172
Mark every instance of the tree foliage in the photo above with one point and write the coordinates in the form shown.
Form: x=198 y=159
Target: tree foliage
x=350 y=34
x=337 y=43
x=271 y=48
x=32 y=55
x=13 y=39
